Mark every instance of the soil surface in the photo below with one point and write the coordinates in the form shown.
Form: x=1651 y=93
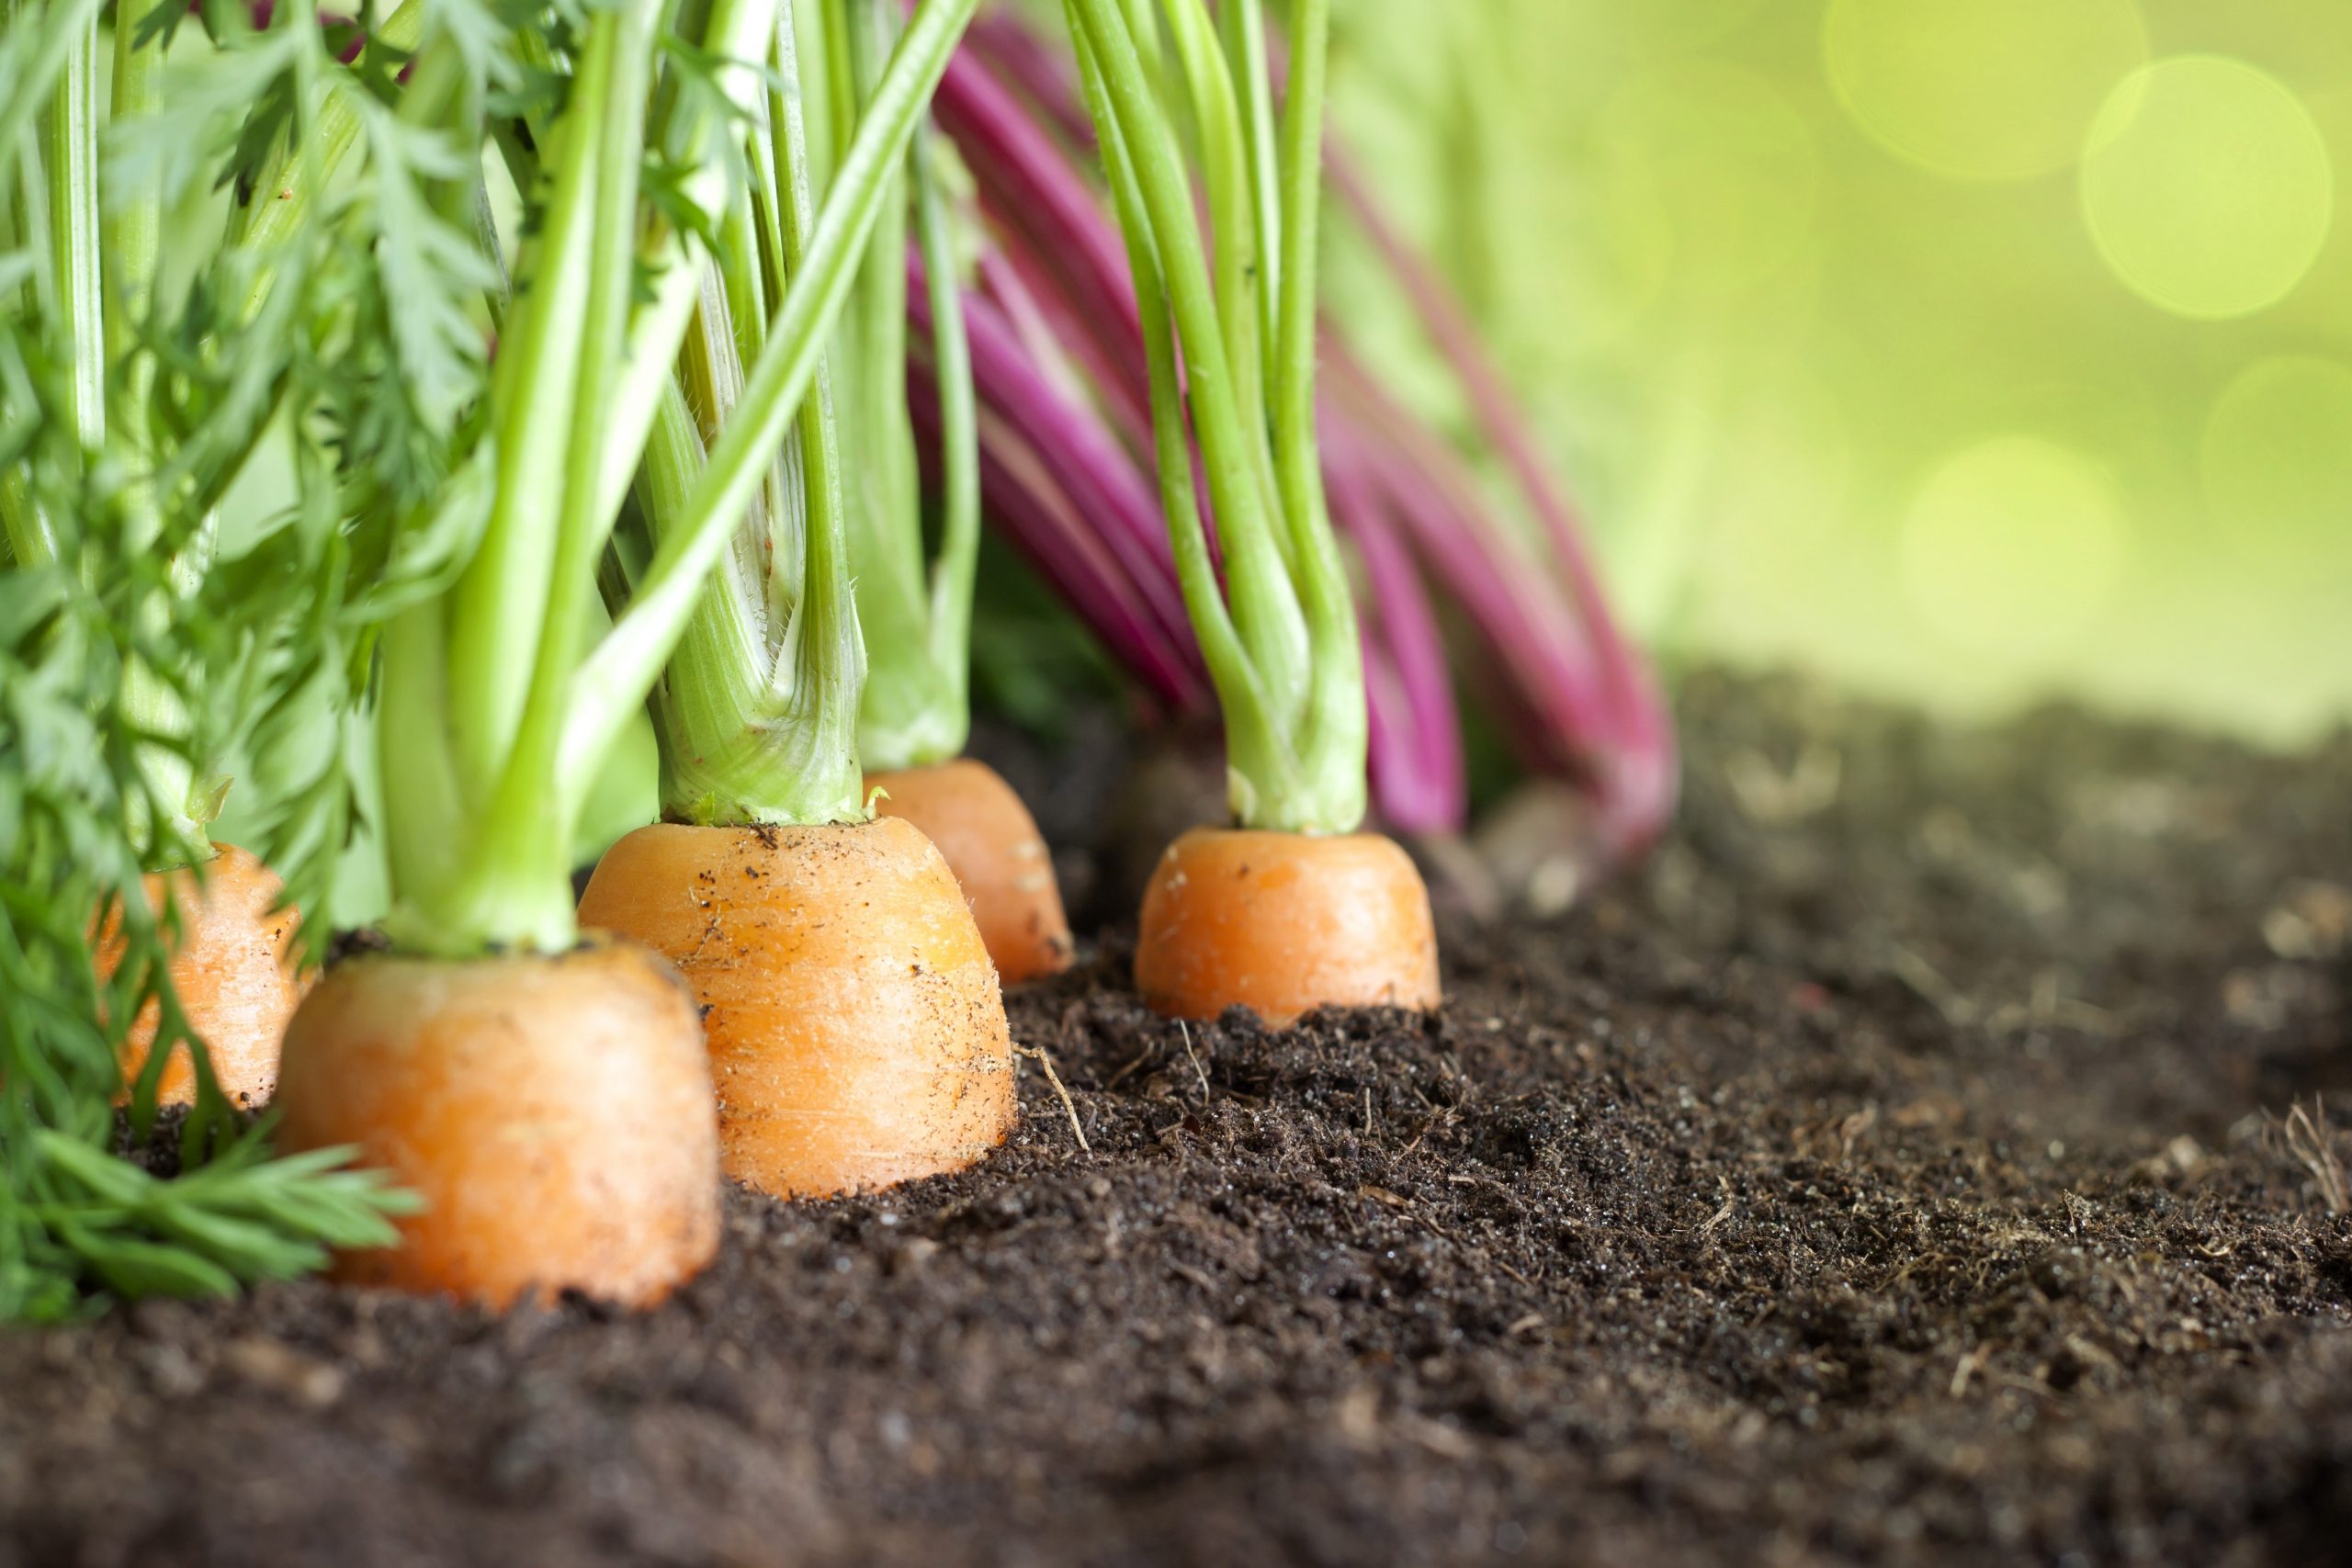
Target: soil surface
x=1924 y=1161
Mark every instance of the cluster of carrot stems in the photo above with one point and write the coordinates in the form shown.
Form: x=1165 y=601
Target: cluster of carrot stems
x=671 y=308
x=680 y=387
x=1468 y=543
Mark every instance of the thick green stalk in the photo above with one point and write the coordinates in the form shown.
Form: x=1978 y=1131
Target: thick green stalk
x=45 y=67
x=737 y=30
x=424 y=804
x=70 y=155
x=814 y=37
x=911 y=713
x=517 y=888
x=720 y=669
x=1228 y=175
x=304 y=173
x=630 y=658
x=501 y=605
x=1227 y=179
x=1265 y=608
x=1243 y=24
x=135 y=221
x=1258 y=766
x=757 y=706
x=105 y=269
x=1333 y=737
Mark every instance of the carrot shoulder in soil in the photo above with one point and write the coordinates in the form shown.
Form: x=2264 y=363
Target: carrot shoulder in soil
x=550 y=1096
x=856 y=1029
x=1290 y=908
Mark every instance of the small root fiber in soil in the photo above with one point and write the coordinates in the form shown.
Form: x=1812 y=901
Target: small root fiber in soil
x=1937 y=1155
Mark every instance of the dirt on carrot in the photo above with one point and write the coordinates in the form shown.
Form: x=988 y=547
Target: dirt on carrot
x=857 y=1033
x=1899 y=1171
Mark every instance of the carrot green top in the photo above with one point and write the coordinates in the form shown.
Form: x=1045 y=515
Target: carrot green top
x=917 y=614
x=147 y=634
x=1236 y=310
x=653 y=175
x=758 y=713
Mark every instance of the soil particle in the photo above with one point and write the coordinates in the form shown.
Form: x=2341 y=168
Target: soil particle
x=1905 y=1168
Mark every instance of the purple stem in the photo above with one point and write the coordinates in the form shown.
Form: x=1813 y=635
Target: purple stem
x=1082 y=460
x=1644 y=715
x=1065 y=547
x=1417 y=765
x=1577 y=725
x=1021 y=56
x=1030 y=188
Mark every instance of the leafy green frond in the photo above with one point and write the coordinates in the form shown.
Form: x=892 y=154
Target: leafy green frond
x=434 y=272
x=240 y=1218
x=131 y=660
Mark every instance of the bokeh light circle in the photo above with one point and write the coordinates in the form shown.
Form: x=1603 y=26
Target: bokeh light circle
x=2276 y=457
x=1980 y=89
x=2011 y=548
x=2207 y=186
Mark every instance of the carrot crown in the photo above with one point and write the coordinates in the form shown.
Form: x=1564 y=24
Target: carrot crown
x=496 y=708
x=1228 y=326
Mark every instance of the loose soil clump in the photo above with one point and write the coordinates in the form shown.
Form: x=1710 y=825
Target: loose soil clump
x=1937 y=1155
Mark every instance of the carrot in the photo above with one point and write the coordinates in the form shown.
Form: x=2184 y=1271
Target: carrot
x=1282 y=923
x=1294 y=909
x=552 y=1104
x=914 y=605
x=992 y=845
x=857 y=1035
x=553 y=1112
x=232 y=968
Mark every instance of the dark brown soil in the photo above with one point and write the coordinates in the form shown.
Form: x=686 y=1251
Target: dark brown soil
x=1898 y=1171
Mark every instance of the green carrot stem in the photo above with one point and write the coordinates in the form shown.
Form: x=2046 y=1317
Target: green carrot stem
x=1257 y=765
x=502 y=604
x=501 y=648
x=135 y=221
x=912 y=709
x=1229 y=173
x=1243 y=26
x=738 y=30
x=631 y=655
x=1293 y=698
x=295 y=181
x=748 y=735
x=1265 y=609
x=523 y=851
x=71 y=158
x=1335 y=723
x=957 y=566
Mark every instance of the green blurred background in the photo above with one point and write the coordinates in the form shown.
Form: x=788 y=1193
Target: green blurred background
x=1970 y=351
